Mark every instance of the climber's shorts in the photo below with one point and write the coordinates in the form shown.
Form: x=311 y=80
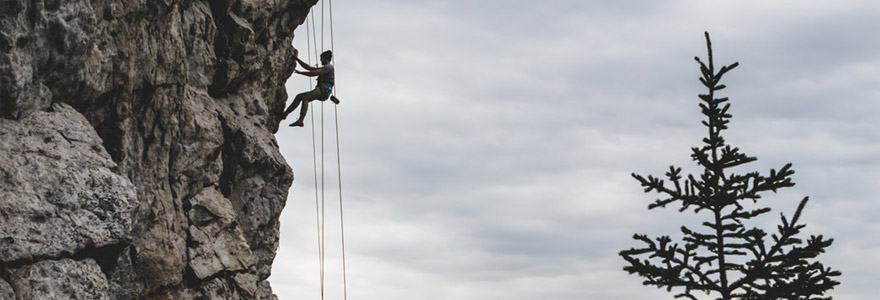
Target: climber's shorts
x=317 y=93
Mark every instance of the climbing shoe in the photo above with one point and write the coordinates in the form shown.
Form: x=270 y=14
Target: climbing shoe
x=296 y=124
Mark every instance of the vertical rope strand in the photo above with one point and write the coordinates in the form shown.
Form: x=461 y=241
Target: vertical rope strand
x=309 y=37
x=323 y=190
x=331 y=25
x=323 y=178
x=339 y=167
x=323 y=202
x=312 y=39
x=315 y=163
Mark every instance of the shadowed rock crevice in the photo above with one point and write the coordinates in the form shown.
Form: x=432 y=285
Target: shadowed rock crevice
x=108 y=128
x=227 y=149
x=105 y=257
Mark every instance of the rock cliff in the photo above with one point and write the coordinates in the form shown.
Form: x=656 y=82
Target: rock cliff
x=137 y=155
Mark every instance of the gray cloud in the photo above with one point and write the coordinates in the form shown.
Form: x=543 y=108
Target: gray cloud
x=487 y=145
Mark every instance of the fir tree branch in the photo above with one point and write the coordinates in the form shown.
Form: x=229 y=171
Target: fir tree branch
x=781 y=268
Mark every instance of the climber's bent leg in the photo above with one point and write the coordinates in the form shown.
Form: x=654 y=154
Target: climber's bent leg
x=296 y=101
x=303 y=99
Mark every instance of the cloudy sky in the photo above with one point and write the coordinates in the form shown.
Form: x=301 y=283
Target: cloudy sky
x=487 y=145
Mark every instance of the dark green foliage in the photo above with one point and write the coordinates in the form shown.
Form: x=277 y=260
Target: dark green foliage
x=724 y=258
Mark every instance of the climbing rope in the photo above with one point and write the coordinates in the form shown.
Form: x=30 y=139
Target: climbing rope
x=323 y=202
x=310 y=36
x=320 y=211
x=338 y=166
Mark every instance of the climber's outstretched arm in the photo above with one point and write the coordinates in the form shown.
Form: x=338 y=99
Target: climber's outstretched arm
x=305 y=65
x=313 y=73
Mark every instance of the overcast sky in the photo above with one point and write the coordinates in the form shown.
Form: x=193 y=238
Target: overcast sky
x=487 y=145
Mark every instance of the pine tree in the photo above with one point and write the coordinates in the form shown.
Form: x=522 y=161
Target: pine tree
x=724 y=258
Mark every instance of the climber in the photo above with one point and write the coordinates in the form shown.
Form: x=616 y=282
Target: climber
x=326 y=79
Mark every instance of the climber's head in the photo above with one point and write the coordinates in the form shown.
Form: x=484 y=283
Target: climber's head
x=326 y=57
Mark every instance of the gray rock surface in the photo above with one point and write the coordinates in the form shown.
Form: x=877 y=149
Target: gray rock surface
x=184 y=98
x=6 y=292
x=264 y=291
x=60 y=279
x=216 y=241
x=59 y=192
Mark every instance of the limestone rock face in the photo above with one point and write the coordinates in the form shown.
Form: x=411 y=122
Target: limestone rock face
x=60 y=279
x=137 y=148
x=59 y=193
x=216 y=242
x=6 y=292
